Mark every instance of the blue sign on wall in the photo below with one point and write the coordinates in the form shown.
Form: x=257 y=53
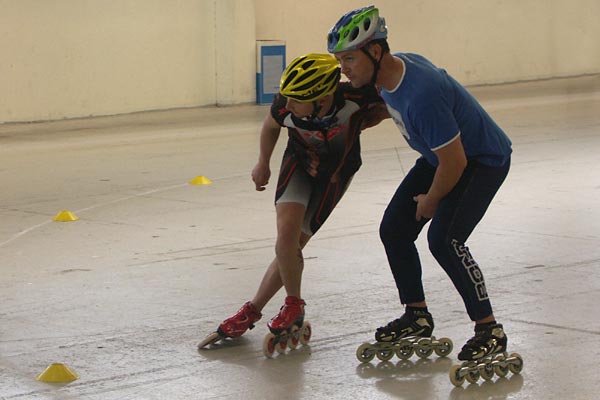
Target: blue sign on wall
x=270 y=64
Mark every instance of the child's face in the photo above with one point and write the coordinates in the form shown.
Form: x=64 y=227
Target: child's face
x=299 y=109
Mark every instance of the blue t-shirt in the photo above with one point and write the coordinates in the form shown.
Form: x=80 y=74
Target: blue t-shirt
x=431 y=109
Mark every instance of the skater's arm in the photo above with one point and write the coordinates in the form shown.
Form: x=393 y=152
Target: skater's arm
x=376 y=113
x=269 y=134
x=452 y=163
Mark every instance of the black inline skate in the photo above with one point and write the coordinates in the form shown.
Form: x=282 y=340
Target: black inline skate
x=405 y=336
x=485 y=354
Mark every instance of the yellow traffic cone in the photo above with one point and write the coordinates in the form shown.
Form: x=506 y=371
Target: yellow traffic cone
x=200 y=180
x=65 y=216
x=57 y=373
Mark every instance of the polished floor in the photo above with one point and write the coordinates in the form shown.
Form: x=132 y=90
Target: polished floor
x=123 y=295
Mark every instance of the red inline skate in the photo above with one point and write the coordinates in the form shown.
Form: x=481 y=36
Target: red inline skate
x=288 y=328
x=234 y=326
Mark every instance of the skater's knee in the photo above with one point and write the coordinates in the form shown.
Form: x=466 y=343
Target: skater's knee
x=288 y=235
x=285 y=248
x=392 y=231
x=385 y=230
x=439 y=243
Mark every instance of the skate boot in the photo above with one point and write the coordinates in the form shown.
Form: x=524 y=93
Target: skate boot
x=287 y=328
x=405 y=336
x=485 y=354
x=234 y=326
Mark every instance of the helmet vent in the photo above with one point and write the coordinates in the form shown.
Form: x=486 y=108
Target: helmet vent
x=295 y=63
x=290 y=78
x=308 y=85
x=367 y=23
x=307 y=64
x=354 y=34
x=333 y=77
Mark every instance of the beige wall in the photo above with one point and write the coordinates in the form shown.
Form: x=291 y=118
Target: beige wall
x=76 y=58
x=477 y=41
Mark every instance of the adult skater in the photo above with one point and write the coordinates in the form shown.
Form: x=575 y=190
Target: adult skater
x=324 y=119
x=465 y=157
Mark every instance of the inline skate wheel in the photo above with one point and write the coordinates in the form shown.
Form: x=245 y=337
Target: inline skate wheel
x=281 y=345
x=445 y=347
x=365 y=353
x=424 y=349
x=208 y=340
x=472 y=375
x=455 y=377
x=487 y=371
x=501 y=369
x=269 y=345
x=385 y=355
x=405 y=351
x=306 y=333
x=516 y=366
x=294 y=339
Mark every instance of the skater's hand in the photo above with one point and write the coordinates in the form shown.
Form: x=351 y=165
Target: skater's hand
x=425 y=207
x=260 y=175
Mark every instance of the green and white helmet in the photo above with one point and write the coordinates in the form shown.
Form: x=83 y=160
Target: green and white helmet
x=355 y=29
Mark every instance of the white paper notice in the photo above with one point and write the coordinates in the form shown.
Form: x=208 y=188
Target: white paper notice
x=272 y=69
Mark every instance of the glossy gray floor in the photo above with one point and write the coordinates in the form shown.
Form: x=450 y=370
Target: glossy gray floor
x=124 y=294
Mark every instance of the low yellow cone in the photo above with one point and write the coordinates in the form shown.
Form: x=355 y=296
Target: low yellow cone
x=200 y=180
x=65 y=216
x=57 y=373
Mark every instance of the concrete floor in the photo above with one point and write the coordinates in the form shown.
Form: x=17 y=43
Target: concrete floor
x=123 y=295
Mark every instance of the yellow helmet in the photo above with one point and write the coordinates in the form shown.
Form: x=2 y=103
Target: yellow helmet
x=310 y=77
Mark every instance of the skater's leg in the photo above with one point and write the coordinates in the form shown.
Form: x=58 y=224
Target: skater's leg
x=302 y=205
x=288 y=253
x=456 y=218
x=294 y=189
x=269 y=286
x=271 y=281
x=250 y=312
x=486 y=320
x=399 y=229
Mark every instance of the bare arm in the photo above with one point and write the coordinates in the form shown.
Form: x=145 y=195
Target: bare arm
x=376 y=113
x=269 y=134
x=452 y=163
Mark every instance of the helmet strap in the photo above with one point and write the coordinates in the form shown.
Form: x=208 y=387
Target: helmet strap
x=375 y=64
x=316 y=109
x=327 y=120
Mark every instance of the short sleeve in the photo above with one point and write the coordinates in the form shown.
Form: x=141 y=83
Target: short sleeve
x=434 y=121
x=278 y=110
